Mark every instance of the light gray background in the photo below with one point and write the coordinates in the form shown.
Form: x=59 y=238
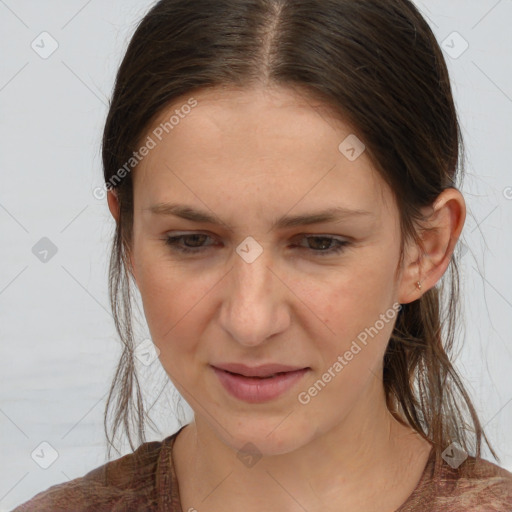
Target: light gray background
x=58 y=342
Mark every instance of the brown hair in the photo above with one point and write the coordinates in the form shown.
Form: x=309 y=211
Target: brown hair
x=379 y=66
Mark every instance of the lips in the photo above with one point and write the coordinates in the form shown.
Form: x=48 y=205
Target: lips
x=262 y=371
x=258 y=384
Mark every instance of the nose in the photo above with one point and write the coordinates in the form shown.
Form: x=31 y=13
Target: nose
x=254 y=305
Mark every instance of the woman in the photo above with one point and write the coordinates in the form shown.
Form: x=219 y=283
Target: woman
x=283 y=176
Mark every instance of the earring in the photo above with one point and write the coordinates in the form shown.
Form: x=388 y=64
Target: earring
x=418 y=285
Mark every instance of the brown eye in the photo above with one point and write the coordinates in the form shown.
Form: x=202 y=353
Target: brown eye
x=324 y=245
x=194 y=242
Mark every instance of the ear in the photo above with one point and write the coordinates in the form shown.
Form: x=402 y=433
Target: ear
x=113 y=204
x=114 y=207
x=439 y=234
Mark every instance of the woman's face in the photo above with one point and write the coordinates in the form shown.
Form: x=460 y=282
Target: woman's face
x=259 y=288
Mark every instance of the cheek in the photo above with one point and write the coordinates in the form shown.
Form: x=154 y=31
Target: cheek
x=352 y=296
x=346 y=313
x=172 y=302
x=351 y=341
x=159 y=293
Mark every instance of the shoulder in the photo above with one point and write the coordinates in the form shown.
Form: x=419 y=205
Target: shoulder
x=476 y=486
x=127 y=483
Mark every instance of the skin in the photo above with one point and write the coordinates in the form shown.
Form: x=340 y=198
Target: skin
x=250 y=156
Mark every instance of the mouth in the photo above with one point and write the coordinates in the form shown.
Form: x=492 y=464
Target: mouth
x=266 y=386
x=256 y=377
x=265 y=371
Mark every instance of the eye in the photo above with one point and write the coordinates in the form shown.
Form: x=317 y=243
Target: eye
x=194 y=243
x=324 y=245
x=195 y=246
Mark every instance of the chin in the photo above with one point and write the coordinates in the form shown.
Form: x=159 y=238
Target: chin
x=264 y=438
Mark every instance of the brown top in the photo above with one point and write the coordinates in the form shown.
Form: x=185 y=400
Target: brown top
x=145 y=481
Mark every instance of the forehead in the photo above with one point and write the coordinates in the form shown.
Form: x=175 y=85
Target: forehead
x=280 y=141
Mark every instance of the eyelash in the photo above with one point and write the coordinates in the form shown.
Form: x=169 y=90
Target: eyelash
x=172 y=242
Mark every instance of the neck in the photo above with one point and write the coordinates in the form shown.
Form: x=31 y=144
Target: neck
x=367 y=446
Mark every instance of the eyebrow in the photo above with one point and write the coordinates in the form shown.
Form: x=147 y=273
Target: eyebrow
x=335 y=214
